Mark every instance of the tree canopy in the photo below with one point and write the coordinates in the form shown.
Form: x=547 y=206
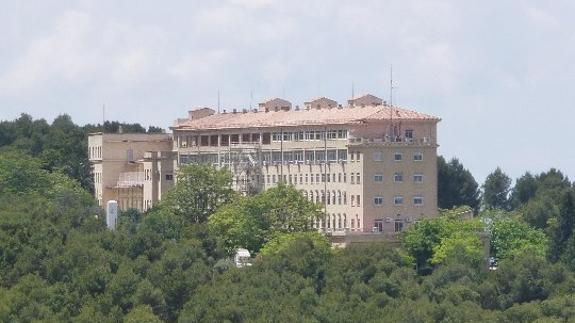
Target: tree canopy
x=455 y=186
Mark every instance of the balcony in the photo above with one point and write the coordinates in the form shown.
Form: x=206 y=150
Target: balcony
x=130 y=179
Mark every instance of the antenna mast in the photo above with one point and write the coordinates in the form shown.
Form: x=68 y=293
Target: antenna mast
x=218 y=101
x=103 y=116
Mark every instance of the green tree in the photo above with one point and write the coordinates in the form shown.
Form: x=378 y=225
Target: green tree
x=510 y=236
x=561 y=230
x=252 y=221
x=142 y=314
x=282 y=242
x=200 y=190
x=456 y=186
x=496 y=190
x=525 y=189
x=436 y=241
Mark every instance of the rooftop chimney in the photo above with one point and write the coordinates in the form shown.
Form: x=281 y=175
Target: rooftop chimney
x=200 y=113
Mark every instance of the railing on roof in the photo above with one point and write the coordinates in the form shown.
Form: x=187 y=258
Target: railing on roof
x=130 y=179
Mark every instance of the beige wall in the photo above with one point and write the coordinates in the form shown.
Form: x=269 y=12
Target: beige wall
x=362 y=141
x=114 y=154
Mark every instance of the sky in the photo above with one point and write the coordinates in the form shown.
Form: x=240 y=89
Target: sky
x=498 y=73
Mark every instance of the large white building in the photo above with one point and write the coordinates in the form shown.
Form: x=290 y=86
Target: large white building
x=373 y=167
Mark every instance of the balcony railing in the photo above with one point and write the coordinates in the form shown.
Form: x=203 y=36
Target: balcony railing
x=130 y=179
x=390 y=141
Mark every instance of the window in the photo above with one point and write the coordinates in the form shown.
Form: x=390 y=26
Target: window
x=358 y=200
x=418 y=200
x=306 y=178
x=353 y=200
x=332 y=134
x=266 y=138
x=339 y=177
x=351 y=178
x=301 y=178
x=378 y=178
x=344 y=177
x=378 y=225
x=418 y=178
x=277 y=156
x=287 y=136
x=358 y=178
x=309 y=156
x=169 y=177
x=342 y=155
x=298 y=155
x=398 y=157
x=418 y=156
x=398 y=177
x=332 y=155
x=311 y=178
x=409 y=134
x=378 y=156
x=320 y=155
x=398 y=225
x=323 y=178
x=342 y=134
x=398 y=200
x=246 y=137
x=274 y=178
x=357 y=156
x=276 y=136
x=378 y=200
x=317 y=178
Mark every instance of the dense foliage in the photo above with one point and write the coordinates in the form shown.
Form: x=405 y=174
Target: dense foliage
x=61 y=146
x=455 y=185
x=59 y=263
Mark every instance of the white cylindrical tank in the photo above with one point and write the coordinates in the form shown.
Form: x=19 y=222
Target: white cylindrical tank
x=111 y=214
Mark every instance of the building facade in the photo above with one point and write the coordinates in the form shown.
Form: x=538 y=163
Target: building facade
x=373 y=167
x=133 y=169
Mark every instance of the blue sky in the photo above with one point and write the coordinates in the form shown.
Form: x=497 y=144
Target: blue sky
x=499 y=73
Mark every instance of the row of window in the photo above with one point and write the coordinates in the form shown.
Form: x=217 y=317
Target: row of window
x=264 y=138
x=290 y=156
x=309 y=135
x=398 y=177
x=317 y=178
x=398 y=200
x=398 y=156
x=337 y=222
x=95 y=152
x=314 y=178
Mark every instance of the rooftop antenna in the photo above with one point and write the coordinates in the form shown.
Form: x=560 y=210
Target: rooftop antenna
x=218 y=100
x=392 y=128
x=103 y=116
x=391 y=85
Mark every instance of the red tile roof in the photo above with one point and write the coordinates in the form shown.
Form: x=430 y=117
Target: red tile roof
x=294 y=118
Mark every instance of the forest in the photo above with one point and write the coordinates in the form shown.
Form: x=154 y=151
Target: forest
x=59 y=263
